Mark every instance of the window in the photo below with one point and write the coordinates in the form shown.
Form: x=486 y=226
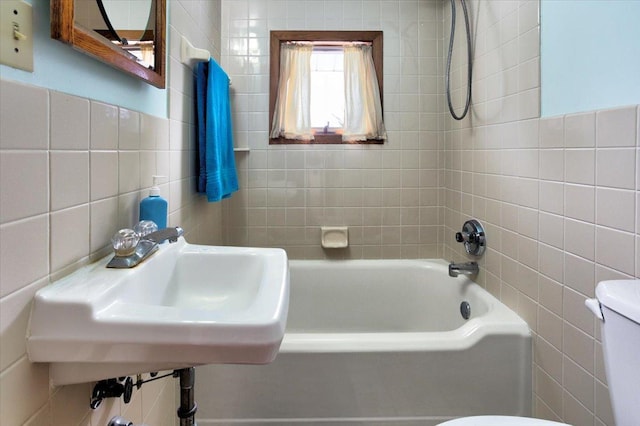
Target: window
x=327 y=90
x=323 y=111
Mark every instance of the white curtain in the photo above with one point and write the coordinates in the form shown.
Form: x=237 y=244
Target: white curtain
x=291 y=118
x=146 y=53
x=362 y=106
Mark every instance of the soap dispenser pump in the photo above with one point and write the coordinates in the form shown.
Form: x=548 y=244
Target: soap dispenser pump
x=154 y=207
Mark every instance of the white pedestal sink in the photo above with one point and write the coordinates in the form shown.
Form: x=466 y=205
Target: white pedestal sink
x=186 y=305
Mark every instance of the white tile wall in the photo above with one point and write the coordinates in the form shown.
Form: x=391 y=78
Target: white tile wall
x=22 y=264
x=615 y=209
x=69 y=122
x=620 y=176
x=579 y=166
x=69 y=172
x=580 y=131
x=541 y=186
x=616 y=127
x=72 y=171
x=580 y=202
x=27 y=108
x=104 y=174
x=290 y=191
x=586 y=175
x=104 y=126
x=23 y=194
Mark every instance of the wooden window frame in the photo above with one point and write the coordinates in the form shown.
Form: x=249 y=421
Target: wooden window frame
x=280 y=37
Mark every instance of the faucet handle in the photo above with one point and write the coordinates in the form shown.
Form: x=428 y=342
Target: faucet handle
x=124 y=242
x=145 y=227
x=473 y=237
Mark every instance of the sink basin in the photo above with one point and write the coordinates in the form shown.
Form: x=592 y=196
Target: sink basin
x=186 y=305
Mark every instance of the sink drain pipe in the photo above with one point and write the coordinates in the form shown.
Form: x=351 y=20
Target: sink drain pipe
x=188 y=407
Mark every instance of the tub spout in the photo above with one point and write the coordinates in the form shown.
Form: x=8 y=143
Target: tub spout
x=468 y=268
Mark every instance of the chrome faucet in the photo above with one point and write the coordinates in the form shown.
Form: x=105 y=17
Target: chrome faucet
x=468 y=268
x=147 y=245
x=166 y=234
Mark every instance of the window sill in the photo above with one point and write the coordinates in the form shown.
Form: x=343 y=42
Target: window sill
x=323 y=140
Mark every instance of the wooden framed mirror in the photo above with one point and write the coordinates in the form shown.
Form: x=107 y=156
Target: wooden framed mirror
x=66 y=28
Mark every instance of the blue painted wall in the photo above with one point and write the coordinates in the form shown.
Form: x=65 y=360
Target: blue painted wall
x=59 y=67
x=590 y=55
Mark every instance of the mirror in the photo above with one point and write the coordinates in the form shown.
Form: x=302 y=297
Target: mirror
x=133 y=16
x=128 y=35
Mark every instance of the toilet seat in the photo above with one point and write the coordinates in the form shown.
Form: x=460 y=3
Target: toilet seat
x=500 y=421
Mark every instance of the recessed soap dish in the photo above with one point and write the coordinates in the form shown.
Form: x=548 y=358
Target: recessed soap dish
x=335 y=236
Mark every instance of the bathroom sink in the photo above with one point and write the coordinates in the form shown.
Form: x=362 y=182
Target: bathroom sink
x=186 y=305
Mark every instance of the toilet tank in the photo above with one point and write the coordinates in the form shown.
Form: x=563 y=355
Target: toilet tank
x=620 y=306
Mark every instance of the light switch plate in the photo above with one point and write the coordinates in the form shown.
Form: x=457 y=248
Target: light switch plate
x=16 y=34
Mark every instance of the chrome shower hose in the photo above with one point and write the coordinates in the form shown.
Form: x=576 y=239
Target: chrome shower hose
x=469 y=58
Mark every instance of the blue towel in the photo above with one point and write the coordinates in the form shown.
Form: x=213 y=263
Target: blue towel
x=216 y=161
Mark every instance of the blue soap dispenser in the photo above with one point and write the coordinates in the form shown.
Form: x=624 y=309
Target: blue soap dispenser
x=154 y=207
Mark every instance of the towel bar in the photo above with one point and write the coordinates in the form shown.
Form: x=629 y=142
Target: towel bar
x=189 y=53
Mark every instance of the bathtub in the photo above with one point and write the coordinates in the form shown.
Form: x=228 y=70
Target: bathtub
x=382 y=343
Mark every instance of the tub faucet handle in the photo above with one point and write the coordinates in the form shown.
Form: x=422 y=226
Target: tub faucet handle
x=468 y=237
x=473 y=237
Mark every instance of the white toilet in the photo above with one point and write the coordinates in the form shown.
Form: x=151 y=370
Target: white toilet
x=617 y=305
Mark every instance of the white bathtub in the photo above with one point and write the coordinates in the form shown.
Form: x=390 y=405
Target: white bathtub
x=383 y=343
